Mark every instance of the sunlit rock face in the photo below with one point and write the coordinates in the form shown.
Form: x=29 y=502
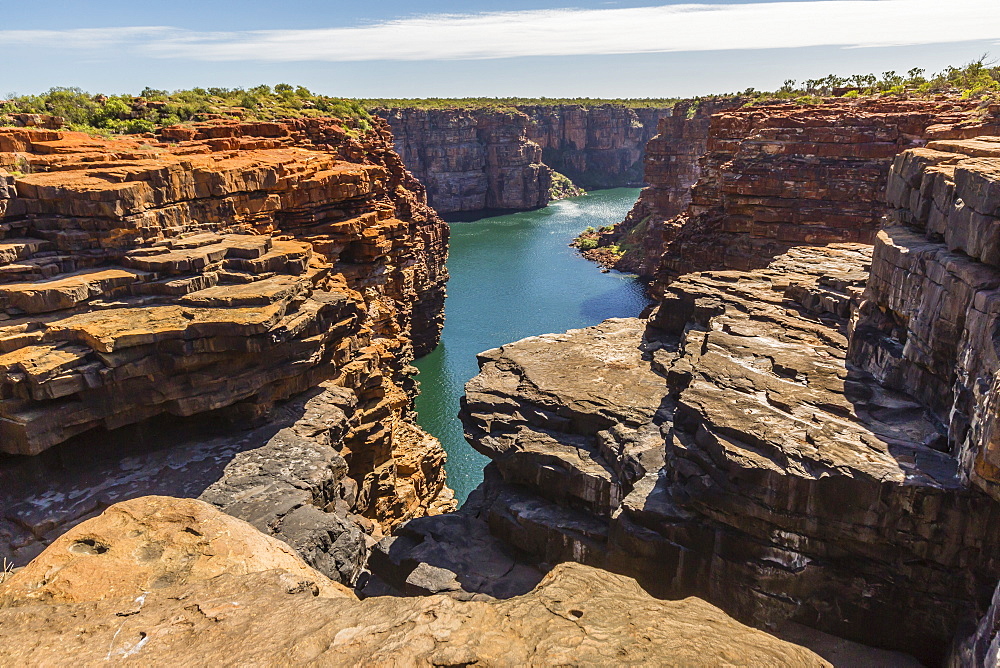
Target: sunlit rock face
x=173 y=581
x=733 y=186
x=202 y=279
x=807 y=435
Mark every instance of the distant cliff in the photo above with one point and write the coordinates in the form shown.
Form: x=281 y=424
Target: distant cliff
x=474 y=159
x=833 y=159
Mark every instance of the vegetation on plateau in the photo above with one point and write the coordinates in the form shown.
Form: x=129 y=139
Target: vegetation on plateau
x=136 y=114
x=511 y=103
x=151 y=108
x=979 y=79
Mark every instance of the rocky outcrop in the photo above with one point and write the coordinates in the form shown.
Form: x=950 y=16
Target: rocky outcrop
x=159 y=580
x=931 y=309
x=775 y=176
x=981 y=647
x=152 y=542
x=671 y=168
x=197 y=285
x=727 y=448
x=490 y=158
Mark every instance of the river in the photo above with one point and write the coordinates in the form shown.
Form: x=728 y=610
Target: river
x=514 y=276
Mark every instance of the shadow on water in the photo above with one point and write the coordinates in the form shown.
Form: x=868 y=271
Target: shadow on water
x=514 y=276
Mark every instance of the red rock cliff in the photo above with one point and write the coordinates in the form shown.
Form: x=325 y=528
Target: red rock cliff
x=804 y=428
x=475 y=159
x=596 y=147
x=779 y=176
x=671 y=168
x=218 y=273
x=471 y=160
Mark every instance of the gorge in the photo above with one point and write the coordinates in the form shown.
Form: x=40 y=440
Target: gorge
x=799 y=429
x=489 y=157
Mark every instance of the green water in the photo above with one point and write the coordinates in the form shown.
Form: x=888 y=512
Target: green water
x=514 y=276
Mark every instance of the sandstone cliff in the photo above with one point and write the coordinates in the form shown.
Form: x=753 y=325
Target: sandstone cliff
x=178 y=290
x=805 y=433
x=671 y=167
x=168 y=581
x=471 y=160
x=477 y=159
x=596 y=147
x=775 y=176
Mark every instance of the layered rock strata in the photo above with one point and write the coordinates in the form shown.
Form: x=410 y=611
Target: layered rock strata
x=595 y=147
x=158 y=580
x=480 y=159
x=671 y=166
x=775 y=176
x=206 y=277
x=931 y=313
x=727 y=447
x=471 y=160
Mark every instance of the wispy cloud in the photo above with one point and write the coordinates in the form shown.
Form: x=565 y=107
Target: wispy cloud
x=567 y=32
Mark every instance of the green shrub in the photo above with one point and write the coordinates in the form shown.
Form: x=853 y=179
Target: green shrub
x=127 y=114
x=586 y=244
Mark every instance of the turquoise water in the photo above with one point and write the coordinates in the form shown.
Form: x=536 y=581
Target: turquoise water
x=514 y=276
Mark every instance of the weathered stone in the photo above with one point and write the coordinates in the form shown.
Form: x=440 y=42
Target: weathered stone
x=219 y=273
x=471 y=160
x=670 y=168
x=725 y=448
x=598 y=146
x=476 y=159
x=930 y=316
x=180 y=583
x=772 y=177
x=150 y=543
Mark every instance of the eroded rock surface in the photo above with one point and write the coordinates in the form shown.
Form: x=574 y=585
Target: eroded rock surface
x=726 y=447
x=471 y=160
x=775 y=177
x=731 y=187
x=149 y=543
x=177 y=582
x=208 y=277
x=598 y=146
x=671 y=166
x=930 y=317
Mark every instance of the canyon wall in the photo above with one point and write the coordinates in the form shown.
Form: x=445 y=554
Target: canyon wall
x=227 y=310
x=773 y=176
x=481 y=159
x=803 y=428
x=596 y=147
x=671 y=167
x=471 y=160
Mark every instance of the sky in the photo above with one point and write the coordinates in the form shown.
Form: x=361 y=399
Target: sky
x=470 y=48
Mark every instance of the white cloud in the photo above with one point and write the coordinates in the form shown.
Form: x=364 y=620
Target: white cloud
x=566 y=32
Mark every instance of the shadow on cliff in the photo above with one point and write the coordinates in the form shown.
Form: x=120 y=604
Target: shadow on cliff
x=43 y=496
x=608 y=304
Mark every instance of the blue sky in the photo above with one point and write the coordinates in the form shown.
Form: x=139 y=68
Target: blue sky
x=594 y=48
